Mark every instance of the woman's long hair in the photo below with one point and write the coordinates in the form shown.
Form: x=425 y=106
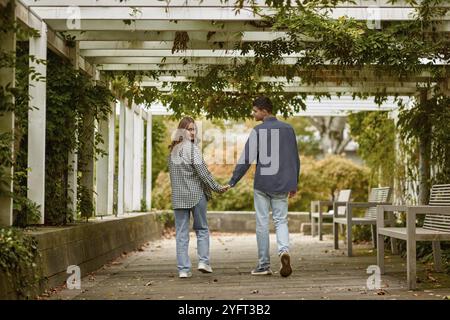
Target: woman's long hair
x=182 y=132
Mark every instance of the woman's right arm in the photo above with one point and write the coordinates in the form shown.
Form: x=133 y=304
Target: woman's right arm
x=202 y=170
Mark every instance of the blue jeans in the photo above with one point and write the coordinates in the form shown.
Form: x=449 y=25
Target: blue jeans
x=182 y=234
x=279 y=204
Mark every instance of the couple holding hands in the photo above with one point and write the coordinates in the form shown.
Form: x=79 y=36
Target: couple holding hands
x=273 y=146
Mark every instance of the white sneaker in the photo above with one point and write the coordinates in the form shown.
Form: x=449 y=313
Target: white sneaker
x=185 y=274
x=205 y=268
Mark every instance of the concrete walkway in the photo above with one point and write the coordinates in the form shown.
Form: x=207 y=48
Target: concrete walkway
x=319 y=272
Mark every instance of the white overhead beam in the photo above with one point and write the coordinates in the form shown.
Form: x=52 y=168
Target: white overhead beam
x=206 y=53
x=218 y=36
x=330 y=88
x=389 y=13
x=334 y=105
x=160 y=25
x=295 y=81
x=152 y=13
x=135 y=3
x=175 y=61
x=54 y=41
x=190 y=3
x=153 y=45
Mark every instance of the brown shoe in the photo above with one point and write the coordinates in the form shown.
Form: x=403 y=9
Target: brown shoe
x=286 y=269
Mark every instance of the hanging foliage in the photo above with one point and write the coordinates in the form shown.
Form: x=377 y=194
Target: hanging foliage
x=375 y=134
x=71 y=94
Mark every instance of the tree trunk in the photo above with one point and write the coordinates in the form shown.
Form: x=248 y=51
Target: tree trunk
x=331 y=129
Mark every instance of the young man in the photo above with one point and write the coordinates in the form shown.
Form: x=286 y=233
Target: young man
x=273 y=145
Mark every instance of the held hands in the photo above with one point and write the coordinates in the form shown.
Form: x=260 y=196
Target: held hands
x=224 y=188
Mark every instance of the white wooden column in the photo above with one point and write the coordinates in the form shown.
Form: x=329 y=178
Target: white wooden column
x=72 y=183
x=7 y=76
x=138 y=142
x=128 y=160
x=121 y=162
x=148 y=156
x=105 y=166
x=37 y=123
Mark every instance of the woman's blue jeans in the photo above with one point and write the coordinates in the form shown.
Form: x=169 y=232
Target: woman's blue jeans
x=201 y=229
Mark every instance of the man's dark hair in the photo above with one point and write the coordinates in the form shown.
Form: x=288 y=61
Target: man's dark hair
x=263 y=103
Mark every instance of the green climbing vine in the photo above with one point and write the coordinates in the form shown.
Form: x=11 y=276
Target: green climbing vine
x=14 y=97
x=375 y=134
x=19 y=262
x=74 y=104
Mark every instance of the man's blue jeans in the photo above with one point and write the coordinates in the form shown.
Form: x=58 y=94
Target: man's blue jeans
x=279 y=204
x=182 y=217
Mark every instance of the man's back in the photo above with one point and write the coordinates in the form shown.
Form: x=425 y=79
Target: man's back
x=273 y=145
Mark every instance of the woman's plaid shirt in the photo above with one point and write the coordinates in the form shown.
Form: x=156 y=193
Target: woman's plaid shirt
x=189 y=176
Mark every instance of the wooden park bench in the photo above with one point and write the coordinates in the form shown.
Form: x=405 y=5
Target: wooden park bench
x=317 y=213
x=376 y=196
x=436 y=228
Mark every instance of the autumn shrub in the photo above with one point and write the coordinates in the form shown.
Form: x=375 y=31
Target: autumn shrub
x=319 y=180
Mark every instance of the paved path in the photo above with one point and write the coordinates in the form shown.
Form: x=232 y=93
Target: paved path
x=319 y=272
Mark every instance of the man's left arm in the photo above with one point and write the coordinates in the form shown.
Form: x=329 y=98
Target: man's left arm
x=297 y=158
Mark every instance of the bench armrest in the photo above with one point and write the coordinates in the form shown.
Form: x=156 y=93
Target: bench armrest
x=366 y=204
x=411 y=213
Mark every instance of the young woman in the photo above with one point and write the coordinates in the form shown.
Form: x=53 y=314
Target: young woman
x=191 y=184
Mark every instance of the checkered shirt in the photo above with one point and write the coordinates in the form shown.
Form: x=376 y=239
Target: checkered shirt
x=189 y=176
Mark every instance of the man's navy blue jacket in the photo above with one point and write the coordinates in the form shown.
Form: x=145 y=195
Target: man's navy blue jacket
x=273 y=145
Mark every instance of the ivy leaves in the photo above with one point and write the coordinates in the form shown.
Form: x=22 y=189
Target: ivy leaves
x=19 y=260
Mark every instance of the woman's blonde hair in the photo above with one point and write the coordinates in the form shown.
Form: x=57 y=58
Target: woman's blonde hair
x=182 y=132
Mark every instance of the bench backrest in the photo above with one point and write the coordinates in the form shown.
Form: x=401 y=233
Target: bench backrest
x=377 y=195
x=343 y=196
x=439 y=196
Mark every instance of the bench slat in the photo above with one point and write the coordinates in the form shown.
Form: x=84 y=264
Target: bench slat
x=439 y=196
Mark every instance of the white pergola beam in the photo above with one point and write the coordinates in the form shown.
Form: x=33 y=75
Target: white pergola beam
x=206 y=53
x=54 y=41
x=390 y=13
x=37 y=122
x=161 y=25
x=189 y=3
x=326 y=90
x=295 y=81
x=148 y=35
x=152 y=45
x=121 y=62
x=151 y=13
x=334 y=105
